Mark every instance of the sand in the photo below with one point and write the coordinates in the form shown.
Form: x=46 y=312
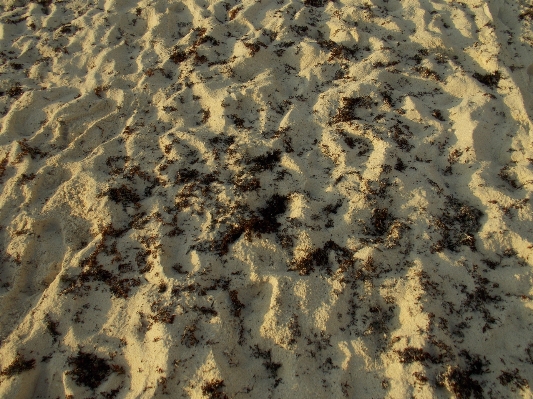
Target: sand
x=266 y=199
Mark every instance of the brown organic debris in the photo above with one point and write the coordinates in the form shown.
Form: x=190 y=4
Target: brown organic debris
x=346 y=113
x=490 y=79
x=18 y=365
x=88 y=369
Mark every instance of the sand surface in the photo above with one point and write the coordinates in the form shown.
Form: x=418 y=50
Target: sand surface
x=255 y=199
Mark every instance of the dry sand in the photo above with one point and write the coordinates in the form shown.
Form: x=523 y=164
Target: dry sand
x=264 y=198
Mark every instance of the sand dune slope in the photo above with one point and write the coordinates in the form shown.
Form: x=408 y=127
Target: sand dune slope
x=252 y=199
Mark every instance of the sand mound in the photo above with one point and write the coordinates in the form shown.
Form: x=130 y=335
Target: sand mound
x=266 y=199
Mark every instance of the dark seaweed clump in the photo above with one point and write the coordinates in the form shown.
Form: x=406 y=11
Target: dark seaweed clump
x=428 y=73
x=213 y=389
x=337 y=51
x=317 y=3
x=513 y=377
x=457 y=226
x=526 y=14
x=187 y=175
x=272 y=367
x=18 y=365
x=319 y=257
x=123 y=195
x=15 y=91
x=490 y=79
x=89 y=369
x=461 y=383
x=236 y=303
x=3 y=166
x=52 y=326
x=256 y=225
x=380 y=221
x=346 y=113
x=399 y=137
x=411 y=354
x=265 y=162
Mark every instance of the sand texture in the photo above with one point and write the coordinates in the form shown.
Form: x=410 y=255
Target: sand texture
x=266 y=199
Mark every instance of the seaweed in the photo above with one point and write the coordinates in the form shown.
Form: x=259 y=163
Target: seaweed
x=513 y=377
x=222 y=140
x=387 y=98
x=121 y=287
x=299 y=30
x=111 y=394
x=99 y=90
x=123 y=195
x=26 y=149
x=24 y=178
x=306 y=264
x=206 y=113
x=526 y=14
x=213 y=389
x=113 y=163
x=276 y=205
x=294 y=329
x=239 y=122
x=428 y=73
x=411 y=355
x=186 y=175
x=490 y=79
x=380 y=64
x=88 y=369
x=356 y=142
x=437 y=115
x=380 y=221
x=346 y=112
x=162 y=314
x=399 y=137
x=480 y=296
x=400 y=166
x=457 y=226
x=254 y=48
x=235 y=303
x=333 y=208
x=93 y=271
x=3 y=166
x=272 y=367
x=15 y=91
x=459 y=381
x=52 y=326
x=188 y=338
x=319 y=257
x=178 y=56
x=18 y=365
x=233 y=13
x=265 y=162
x=317 y=3
x=337 y=51
x=247 y=184
x=16 y=21
x=231 y=235
x=506 y=177
x=205 y=310
x=421 y=378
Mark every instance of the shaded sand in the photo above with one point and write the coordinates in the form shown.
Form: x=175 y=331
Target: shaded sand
x=266 y=199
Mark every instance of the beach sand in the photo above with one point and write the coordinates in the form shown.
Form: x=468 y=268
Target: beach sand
x=266 y=199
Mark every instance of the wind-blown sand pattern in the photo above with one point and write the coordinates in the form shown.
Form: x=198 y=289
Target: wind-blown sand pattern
x=266 y=199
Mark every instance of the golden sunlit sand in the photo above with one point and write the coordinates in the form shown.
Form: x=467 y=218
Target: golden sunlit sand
x=266 y=199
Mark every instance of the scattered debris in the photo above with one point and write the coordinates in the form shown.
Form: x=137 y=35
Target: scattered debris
x=18 y=365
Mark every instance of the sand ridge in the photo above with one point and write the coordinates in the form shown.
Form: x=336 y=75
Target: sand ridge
x=266 y=199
